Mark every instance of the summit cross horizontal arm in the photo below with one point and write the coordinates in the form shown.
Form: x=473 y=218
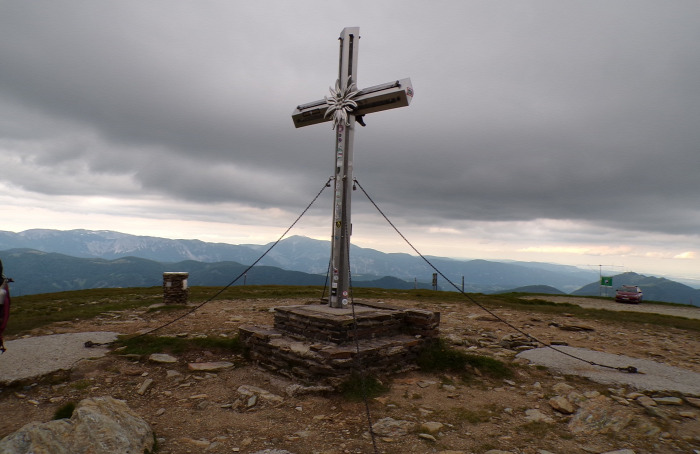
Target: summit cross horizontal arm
x=369 y=100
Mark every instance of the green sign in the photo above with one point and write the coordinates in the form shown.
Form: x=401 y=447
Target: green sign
x=606 y=281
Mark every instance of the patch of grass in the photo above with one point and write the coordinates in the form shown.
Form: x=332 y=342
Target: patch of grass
x=490 y=366
x=167 y=308
x=81 y=384
x=146 y=345
x=440 y=357
x=357 y=387
x=514 y=301
x=34 y=311
x=65 y=411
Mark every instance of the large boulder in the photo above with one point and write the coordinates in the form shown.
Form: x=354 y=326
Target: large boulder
x=101 y=425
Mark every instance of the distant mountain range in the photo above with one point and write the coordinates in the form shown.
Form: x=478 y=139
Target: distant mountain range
x=47 y=272
x=54 y=260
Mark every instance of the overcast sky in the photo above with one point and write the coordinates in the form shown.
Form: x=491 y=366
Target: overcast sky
x=560 y=131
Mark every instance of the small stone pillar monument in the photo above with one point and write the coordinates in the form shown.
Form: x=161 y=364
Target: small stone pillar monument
x=175 y=289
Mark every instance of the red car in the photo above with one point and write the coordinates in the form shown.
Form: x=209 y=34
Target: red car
x=628 y=294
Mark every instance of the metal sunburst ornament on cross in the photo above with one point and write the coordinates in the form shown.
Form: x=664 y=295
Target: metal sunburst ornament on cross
x=341 y=102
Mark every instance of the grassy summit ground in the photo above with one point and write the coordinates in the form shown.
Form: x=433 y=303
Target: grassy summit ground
x=479 y=393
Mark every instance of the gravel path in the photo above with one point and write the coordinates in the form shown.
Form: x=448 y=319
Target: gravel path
x=652 y=376
x=591 y=303
x=35 y=356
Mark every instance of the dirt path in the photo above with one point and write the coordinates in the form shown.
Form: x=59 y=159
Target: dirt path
x=591 y=303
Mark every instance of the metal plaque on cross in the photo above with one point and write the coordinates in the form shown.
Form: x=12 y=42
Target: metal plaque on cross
x=344 y=108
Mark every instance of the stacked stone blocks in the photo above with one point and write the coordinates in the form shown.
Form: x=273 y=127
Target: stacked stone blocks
x=175 y=289
x=320 y=345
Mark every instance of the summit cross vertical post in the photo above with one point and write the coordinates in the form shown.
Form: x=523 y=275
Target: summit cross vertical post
x=345 y=108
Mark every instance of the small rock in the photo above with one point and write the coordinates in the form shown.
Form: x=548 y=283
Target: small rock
x=620 y=400
x=599 y=416
x=427 y=437
x=210 y=367
x=131 y=371
x=688 y=414
x=534 y=415
x=160 y=412
x=431 y=427
x=197 y=443
x=562 y=405
x=562 y=388
x=173 y=374
x=198 y=396
x=252 y=401
x=144 y=386
x=248 y=390
x=694 y=401
x=390 y=427
x=162 y=358
x=668 y=400
x=646 y=401
x=454 y=339
x=214 y=446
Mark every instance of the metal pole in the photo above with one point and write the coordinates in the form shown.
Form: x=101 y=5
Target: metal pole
x=344 y=141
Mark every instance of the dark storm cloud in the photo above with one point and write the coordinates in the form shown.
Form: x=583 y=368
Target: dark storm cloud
x=523 y=110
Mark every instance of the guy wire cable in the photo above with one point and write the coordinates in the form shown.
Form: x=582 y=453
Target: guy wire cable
x=325 y=185
x=358 y=361
x=628 y=369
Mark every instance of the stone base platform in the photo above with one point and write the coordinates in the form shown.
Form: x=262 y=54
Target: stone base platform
x=317 y=344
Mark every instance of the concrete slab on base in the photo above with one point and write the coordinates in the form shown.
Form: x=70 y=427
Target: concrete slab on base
x=32 y=357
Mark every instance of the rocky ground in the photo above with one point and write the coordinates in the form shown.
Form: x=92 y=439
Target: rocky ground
x=243 y=409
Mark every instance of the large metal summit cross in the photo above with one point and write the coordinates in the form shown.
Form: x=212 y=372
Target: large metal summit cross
x=346 y=106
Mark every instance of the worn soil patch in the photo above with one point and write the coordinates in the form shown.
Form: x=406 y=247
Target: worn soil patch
x=196 y=412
